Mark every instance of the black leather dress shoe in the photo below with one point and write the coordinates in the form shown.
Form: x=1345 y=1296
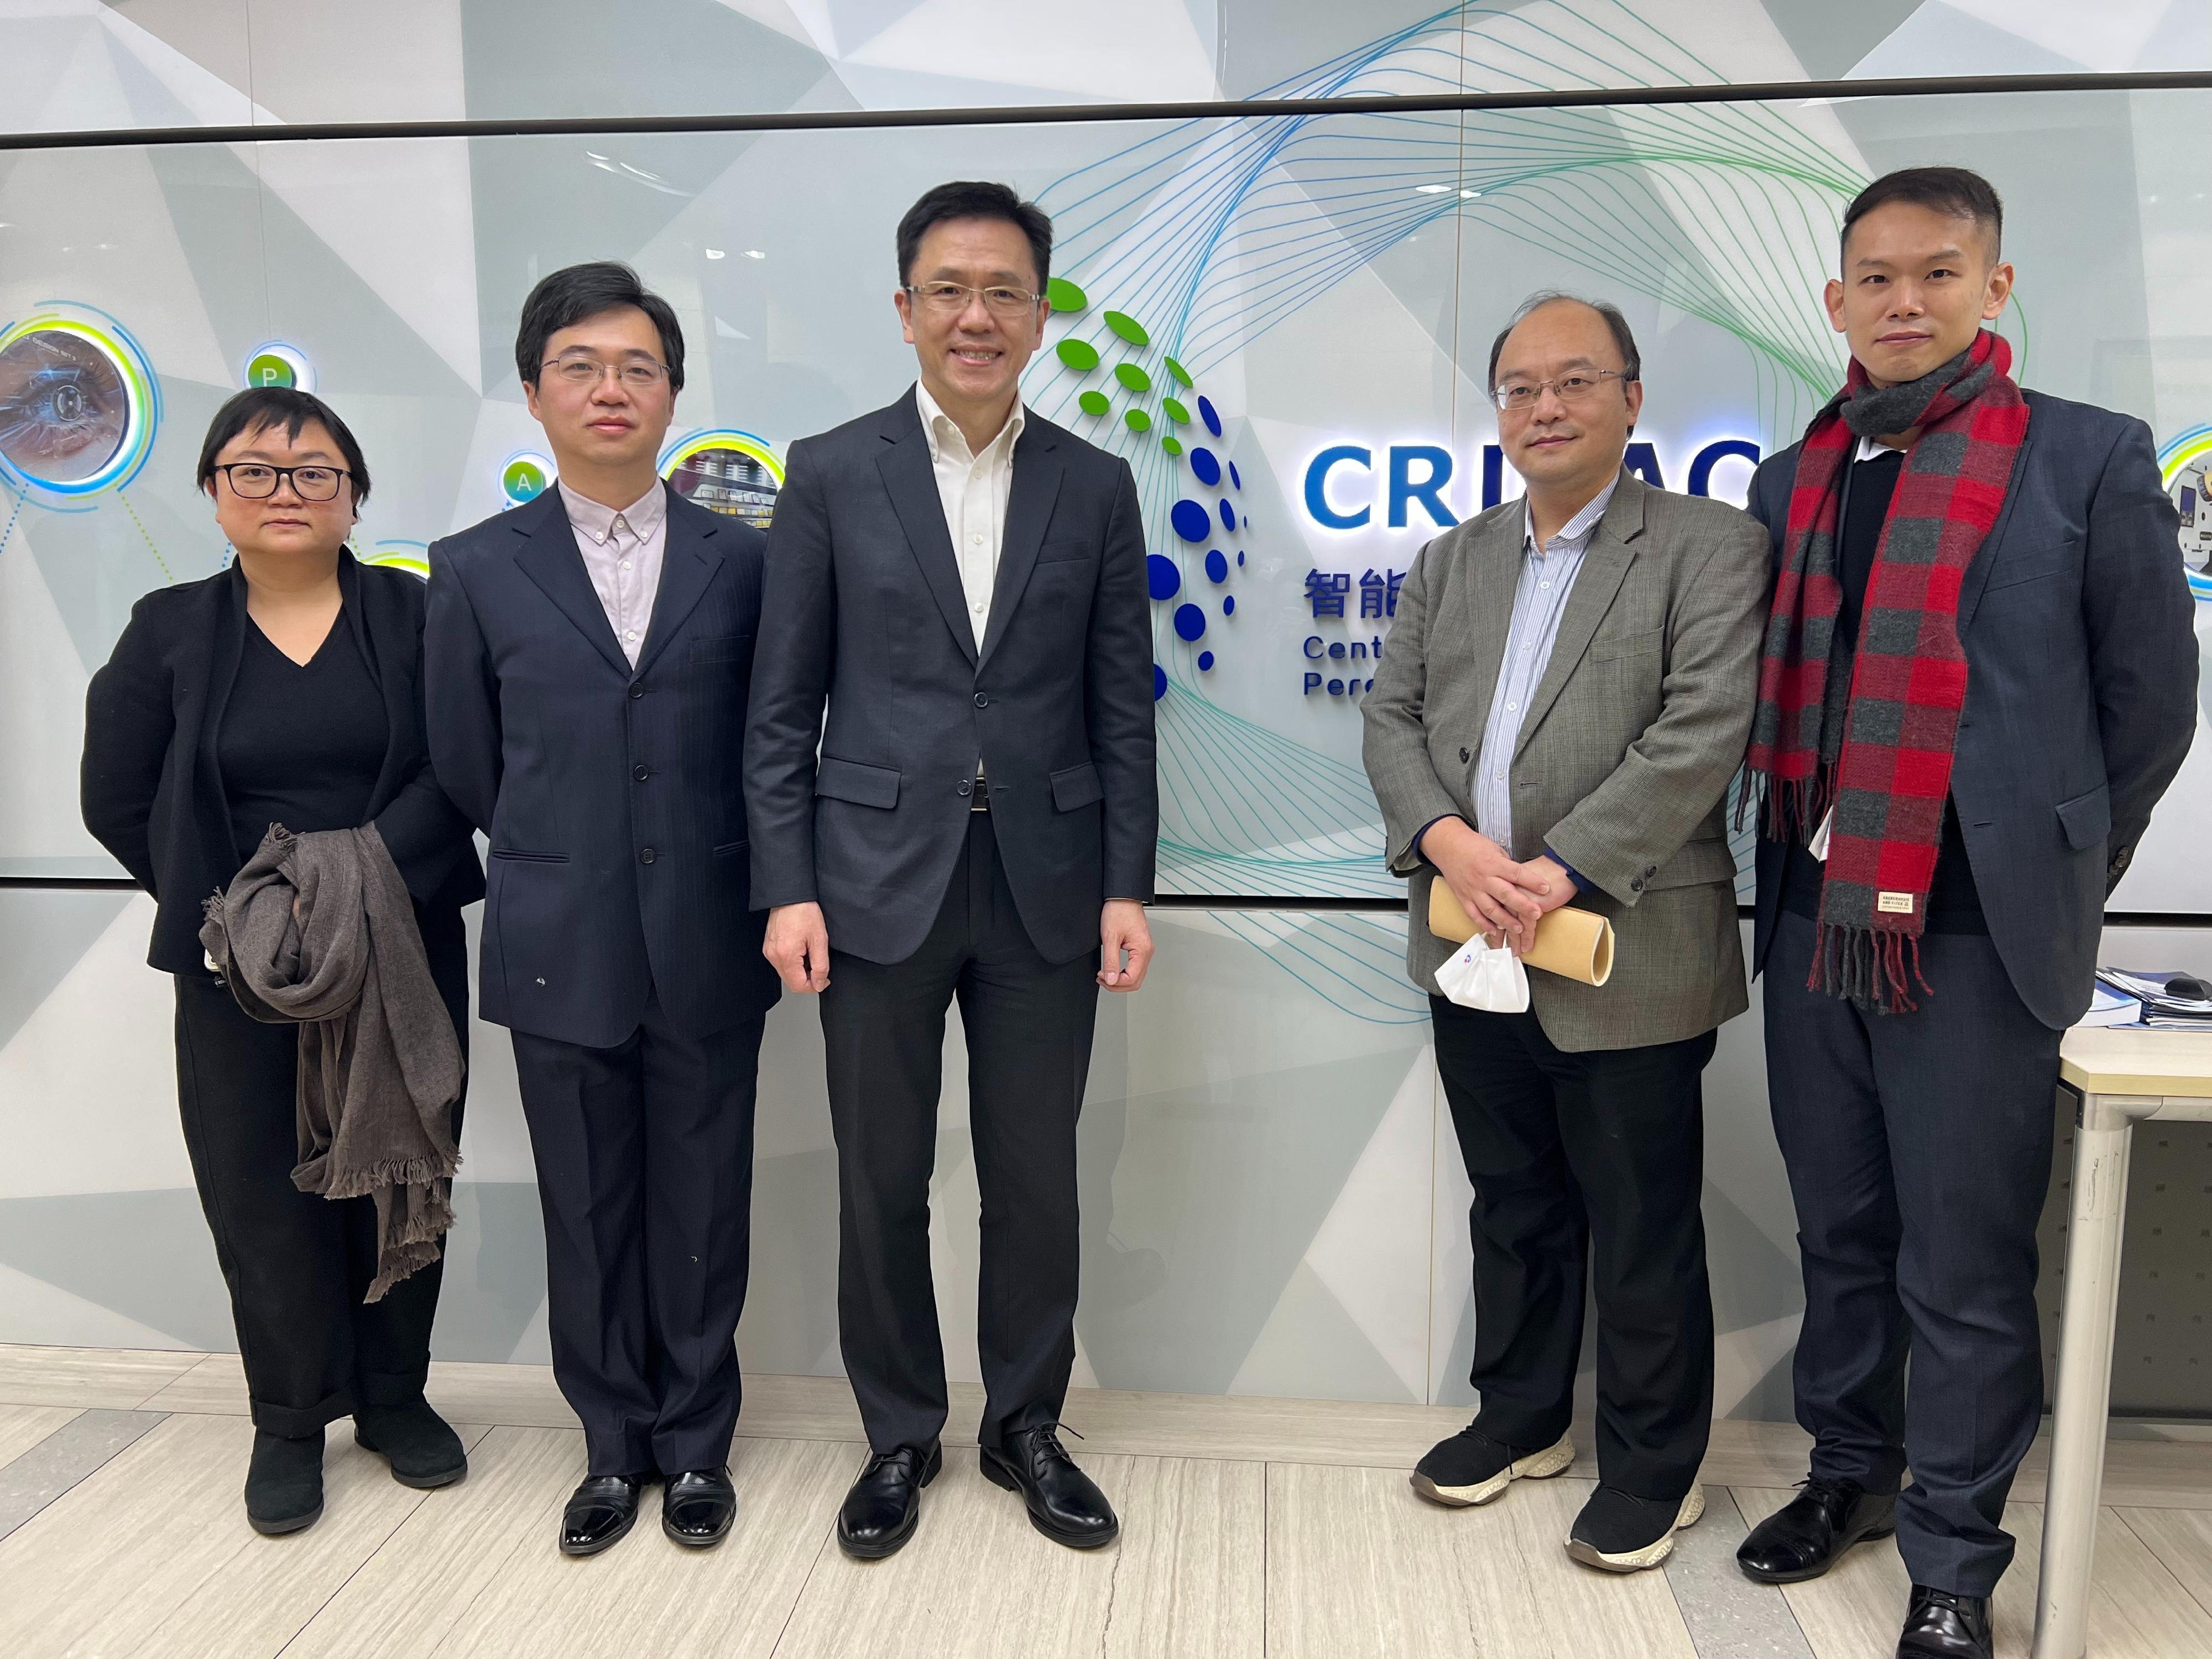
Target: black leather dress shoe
x=1942 y=1625
x=1063 y=1503
x=284 y=1483
x=598 y=1512
x=1803 y=1538
x=882 y=1510
x=421 y=1447
x=697 y=1506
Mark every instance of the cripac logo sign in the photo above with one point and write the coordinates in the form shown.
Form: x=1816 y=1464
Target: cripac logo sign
x=1345 y=491
x=1342 y=483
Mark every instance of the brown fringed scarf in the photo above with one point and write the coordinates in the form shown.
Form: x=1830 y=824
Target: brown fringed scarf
x=1875 y=745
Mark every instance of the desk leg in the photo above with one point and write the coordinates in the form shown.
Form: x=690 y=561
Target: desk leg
x=2085 y=1373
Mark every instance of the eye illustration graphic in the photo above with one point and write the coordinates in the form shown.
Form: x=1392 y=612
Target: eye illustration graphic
x=62 y=407
x=77 y=404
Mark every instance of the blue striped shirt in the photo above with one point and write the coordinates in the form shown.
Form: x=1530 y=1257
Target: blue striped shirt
x=1540 y=600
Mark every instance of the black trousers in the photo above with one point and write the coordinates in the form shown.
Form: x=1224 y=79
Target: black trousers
x=298 y=1264
x=1591 y=1161
x=645 y=1171
x=1029 y=1025
x=1918 y=1146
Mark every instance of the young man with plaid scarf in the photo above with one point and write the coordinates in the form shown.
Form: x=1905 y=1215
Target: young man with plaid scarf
x=1980 y=676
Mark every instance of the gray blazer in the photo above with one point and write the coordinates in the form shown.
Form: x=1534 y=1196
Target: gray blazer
x=1624 y=756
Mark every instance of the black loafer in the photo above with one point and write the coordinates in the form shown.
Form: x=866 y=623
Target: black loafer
x=697 y=1506
x=1064 y=1503
x=424 y=1451
x=881 y=1511
x=1942 y=1625
x=1803 y=1538
x=284 y=1483
x=598 y=1512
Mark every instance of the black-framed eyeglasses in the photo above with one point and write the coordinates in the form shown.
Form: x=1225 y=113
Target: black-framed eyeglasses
x=256 y=481
x=1572 y=389
x=950 y=298
x=639 y=374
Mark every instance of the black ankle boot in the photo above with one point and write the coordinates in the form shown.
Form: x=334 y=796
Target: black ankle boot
x=284 y=1483
x=424 y=1448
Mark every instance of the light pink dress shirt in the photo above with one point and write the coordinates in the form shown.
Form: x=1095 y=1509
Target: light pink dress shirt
x=622 y=552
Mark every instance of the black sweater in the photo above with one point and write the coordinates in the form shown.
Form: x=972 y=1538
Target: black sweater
x=152 y=782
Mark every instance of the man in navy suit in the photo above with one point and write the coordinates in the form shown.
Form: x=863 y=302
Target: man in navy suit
x=586 y=665
x=1983 y=677
x=962 y=584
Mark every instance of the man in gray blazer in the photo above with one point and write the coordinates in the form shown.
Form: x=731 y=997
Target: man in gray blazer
x=1561 y=706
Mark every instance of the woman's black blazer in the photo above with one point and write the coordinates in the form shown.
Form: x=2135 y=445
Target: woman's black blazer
x=152 y=784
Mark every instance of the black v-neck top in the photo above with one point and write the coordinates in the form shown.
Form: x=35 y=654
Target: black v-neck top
x=301 y=744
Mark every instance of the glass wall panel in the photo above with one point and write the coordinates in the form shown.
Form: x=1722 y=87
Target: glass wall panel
x=1283 y=324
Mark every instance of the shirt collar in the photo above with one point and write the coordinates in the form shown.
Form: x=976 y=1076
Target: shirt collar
x=1868 y=450
x=949 y=435
x=1577 y=529
x=643 y=515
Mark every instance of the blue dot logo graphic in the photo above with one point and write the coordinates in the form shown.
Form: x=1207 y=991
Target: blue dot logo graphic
x=1161 y=576
x=1233 y=476
x=1189 y=622
x=1217 y=568
x=1204 y=661
x=1229 y=604
x=1189 y=521
x=1228 y=515
x=1240 y=556
x=1206 y=465
x=1159 y=682
x=1205 y=412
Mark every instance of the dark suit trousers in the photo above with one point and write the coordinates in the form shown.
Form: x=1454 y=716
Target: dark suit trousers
x=1918 y=1146
x=1597 y=1160
x=645 y=1171
x=1028 y=1026
x=298 y=1264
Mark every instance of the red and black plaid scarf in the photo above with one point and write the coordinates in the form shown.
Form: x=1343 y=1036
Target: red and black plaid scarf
x=1877 y=747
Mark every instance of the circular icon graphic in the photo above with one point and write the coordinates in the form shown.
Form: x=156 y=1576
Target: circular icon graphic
x=726 y=472
x=275 y=363
x=524 y=478
x=2186 y=463
x=77 y=404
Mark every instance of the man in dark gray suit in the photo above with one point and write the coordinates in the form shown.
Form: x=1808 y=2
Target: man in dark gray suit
x=1560 y=708
x=964 y=584
x=587 y=660
x=2009 y=685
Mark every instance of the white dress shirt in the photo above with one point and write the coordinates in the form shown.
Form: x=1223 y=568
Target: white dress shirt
x=974 y=489
x=622 y=554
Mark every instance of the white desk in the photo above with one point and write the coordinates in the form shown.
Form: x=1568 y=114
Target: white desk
x=2123 y=1077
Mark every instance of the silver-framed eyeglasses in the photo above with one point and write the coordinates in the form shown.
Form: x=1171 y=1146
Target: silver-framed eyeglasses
x=638 y=374
x=256 y=481
x=950 y=299
x=1517 y=396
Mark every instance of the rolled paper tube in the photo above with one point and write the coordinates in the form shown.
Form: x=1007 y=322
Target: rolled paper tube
x=1574 y=944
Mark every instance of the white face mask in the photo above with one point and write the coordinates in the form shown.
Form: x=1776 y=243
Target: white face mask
x=1491 y=978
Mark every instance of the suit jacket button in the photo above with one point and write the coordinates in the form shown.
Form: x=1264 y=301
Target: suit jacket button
x=1636 y=886
x=647 y=856
x=637 y=691
x=965 y=787
x=641 y=773
x=982 y=701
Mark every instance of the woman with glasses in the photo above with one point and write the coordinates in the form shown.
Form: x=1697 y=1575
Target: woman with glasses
x=285 y=689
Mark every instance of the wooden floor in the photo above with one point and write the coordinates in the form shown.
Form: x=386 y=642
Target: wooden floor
x=1250 y=1527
